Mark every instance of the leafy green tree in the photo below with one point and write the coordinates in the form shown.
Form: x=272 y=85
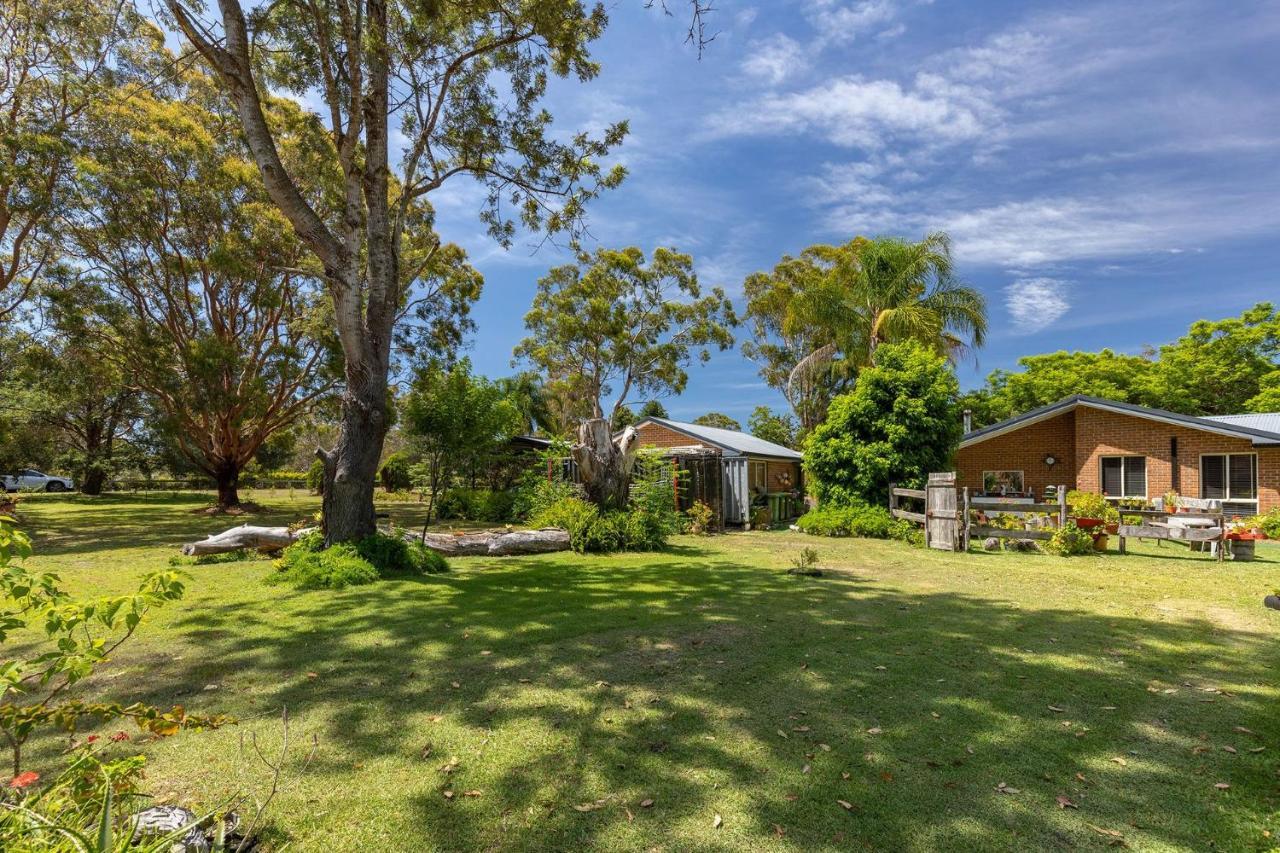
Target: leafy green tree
x=718 y=420
x=1219 y=366
x=459 y=88
x=616 y=324
x=454 y=420
x=900 y=422
x=1268 y=397
x=1050 y=377
x=624 y=418
x=525 y=391
x=202 y=296
x=653 y=409
x=771 y=426
x=889 y=290
x=56 y=59
x=787 y=327
x=61 y=387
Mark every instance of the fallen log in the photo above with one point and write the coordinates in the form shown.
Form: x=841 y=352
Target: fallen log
x=265 y=539
x=495 y=543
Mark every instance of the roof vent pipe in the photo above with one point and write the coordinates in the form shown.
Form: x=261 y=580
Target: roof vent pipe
x=968 y=421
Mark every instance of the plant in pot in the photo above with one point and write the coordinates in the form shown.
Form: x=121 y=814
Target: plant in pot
x=1171 y=501
x=1091 y=510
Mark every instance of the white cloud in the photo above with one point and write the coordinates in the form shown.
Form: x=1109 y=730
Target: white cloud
x=839 y=23
x=775 y=59
x=1035 y=303
x=857 y=113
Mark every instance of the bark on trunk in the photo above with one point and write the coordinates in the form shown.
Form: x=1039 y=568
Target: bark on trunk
x=93 y=481
x=351 y=468
x=605 y=463
x=228 y=480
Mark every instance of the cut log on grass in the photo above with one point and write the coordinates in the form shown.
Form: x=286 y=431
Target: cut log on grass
x=265 y=539
x=496 y=543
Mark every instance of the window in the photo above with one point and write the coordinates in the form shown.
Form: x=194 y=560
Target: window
x=1002 y=482
x=1230 y=477
x=1124 y=476
x=758 y=483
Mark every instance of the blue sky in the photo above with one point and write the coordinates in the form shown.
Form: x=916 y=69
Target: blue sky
x=1109 y=172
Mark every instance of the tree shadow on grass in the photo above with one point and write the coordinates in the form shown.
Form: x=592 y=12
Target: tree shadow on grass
x=710 y=687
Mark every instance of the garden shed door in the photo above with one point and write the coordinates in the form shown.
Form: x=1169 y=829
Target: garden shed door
x=941 y=513
x=737 y=499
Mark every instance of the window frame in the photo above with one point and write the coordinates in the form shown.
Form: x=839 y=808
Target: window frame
x=1124 y=475
x=1022 y=477
x=1226 y=477
x=764 y=474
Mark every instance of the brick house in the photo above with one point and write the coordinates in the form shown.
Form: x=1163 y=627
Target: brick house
x=1122 y=451
x=752 y=469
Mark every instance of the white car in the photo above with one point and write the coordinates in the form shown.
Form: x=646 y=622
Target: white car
x=28 y=478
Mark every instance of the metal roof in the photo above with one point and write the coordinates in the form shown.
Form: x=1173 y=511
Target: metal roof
x=1266 y=421
x=1221 y=425
x=732 y=440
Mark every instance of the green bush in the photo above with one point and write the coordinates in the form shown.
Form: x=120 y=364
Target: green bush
x=315 y=477
x=1070 y=541
x=867 y=522
x=1269 y=522
x=1091 y=505
x=476 y=505
x=394 y=473
x=594 y=532
x=307 y=564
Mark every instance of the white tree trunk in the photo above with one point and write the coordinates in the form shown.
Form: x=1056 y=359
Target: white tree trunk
x=266 y=539
x=496 y=543
x=604 y=462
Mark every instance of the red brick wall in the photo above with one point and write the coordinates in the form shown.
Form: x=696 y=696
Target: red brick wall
x=1024 y=450
x=655 y=435
x=1081 y=438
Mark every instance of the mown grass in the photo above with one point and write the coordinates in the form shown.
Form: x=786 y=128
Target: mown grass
x=569 y=689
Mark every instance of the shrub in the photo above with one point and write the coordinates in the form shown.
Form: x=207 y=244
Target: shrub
x=307 y=564
x=476 y=505
x=1269 y=522
x=1091 y=505
x=867 y=522
x=394 y=473
x=396 y=497
x=574 y=515
x=1070 y=541
x=701 y=516
x=594 y=532
x=315 y=477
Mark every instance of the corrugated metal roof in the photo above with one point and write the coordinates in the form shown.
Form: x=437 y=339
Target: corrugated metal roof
x=727 y=439
x=1266 y=421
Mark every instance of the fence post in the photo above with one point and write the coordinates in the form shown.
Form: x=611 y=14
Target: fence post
x=893 y=498
x=1062 y=506
x=964 y=522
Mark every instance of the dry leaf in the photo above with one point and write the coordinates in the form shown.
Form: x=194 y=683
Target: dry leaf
x=1120 y=761
x=874 y=730
x=844 y=775
x=630 y=816
x=800 y=729
x=778 y=831
x=1064 y=802
x=313 y=675
x=969 y=750
x=448 y=795
x=781 y=733
x=1242 y=730
x=824 y=747
x=455 y=685
x=791 y=798
x=1221 y=786
x=804 y=769
x=1005 y=789
x=644 y=804
x=435 y=718
x=1258 y=749
x=1056 y=708
x=935 y=715
x=1230 y=749
x=471 y=794
x=1110 y=833
x=848 y=806
x=586 y=807
x=886 y=776
x=485 y=652
x=1080 y=778
x=1109 y=707
x=882 y=668
x=717 y=823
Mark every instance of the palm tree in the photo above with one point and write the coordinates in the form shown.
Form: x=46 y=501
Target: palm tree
x=890 y=290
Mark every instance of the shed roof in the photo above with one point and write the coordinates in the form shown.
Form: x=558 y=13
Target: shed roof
x=732 y=441
x=1247 y=427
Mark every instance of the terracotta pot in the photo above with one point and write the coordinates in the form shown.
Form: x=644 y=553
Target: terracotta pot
x=1088 y=523
x=1100 y=542
x=1113 y=527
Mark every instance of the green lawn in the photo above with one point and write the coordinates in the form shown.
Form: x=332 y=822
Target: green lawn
x=909 y=684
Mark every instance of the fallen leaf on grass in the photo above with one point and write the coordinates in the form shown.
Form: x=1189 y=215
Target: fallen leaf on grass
x=435 y=718
x=969 y=750
x=1257 y=749
x=1005 y=789
x=824 y=747
x=1064 y=802
x=313 y=675
x=1242 y=730
x=1080 y=778
x=426 y=751
x=844 y=775
x=448 y=795
x=1230 y=749
x=882 y=668
x=717 y=823
x=778 y=831
x=1120 y=761
x=586 y=807
x=886 y=776
x=455 y=685
x=644 y=804
x=472 y=794
x=782 y=734
x=800 y=729
x=791 y=798
x=450 y=766
x=846 y=805
x=1056 y=708
x=874 y=730
x=804 y=769
x=485 y=652
x=1109 y=707
x=630 y=816
x=1221 y=786
x=1110 y=833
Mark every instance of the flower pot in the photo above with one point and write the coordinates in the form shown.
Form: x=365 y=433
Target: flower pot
x=1088 y=523
x=1100 y=542
x=1113 y=527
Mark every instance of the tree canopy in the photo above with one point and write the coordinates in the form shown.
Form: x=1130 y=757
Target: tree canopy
x=900 y=422
x=772 y=426
x=719 y=420
x=616 y=324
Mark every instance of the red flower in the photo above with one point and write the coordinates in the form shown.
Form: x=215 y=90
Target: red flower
x=22 y=780
x=119 y=736
x=90 y=738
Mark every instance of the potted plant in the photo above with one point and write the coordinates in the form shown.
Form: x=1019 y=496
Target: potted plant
x=1171 y=501
x=1092 y=510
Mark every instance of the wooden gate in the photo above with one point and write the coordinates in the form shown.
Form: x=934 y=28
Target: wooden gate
x=941 y=514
